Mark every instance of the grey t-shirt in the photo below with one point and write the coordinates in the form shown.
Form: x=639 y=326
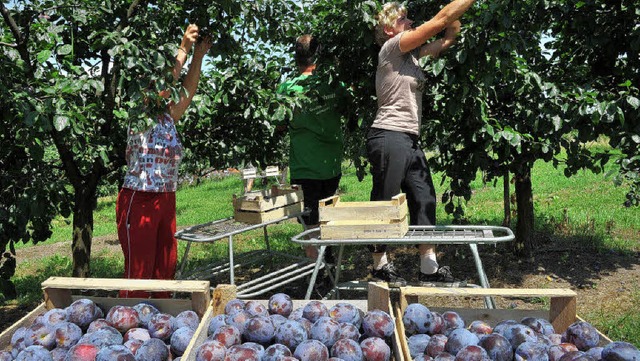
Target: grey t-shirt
x=399 y=84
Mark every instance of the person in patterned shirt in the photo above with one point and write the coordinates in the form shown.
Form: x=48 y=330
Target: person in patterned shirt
x=146 y=204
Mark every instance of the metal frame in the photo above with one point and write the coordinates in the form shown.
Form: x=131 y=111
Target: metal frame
x=209 y=233
x=451 y=235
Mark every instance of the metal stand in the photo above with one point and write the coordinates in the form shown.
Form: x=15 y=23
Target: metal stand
x=452 y=235
x=227 y=228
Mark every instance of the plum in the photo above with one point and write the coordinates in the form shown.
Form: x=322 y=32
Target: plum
x=418 y=344
x=215 y=322
x=531 y=351
x=123 y=318
x=326 y=330
x=375 y=349
x=444 y=356
x=82 y=352
x=55 y=316
x=280 y=304
x=67 y=334
x=256 y=346
x=480 y=328
x=501 y=326
x=211 y=350
x=423 y=357
x=180 y=340
x=153 y=349
x=497 y=346
x=582 y=334
x=556 y=352
x=186 y=318
x=41 y=334
x=576 y=356
x=34 y=353
x=436 y=345
x=377 y=323
x=452 y=320
x=596 y=353
x=291 y=334
x=255 y=308
x=115 y=353
x=160 y=326
x=312 y=350
x=97 y=324
x=296 y=314
x=238 y=319
x=145 y=311
x=277 y=320
x=540 y=325
x=438 y=326
x=137 y=333
x=313 y=310
x=19 y=341
x=620 y=351
x=7 y=356
x=306 y=324
x=346 y=312
x=459 y=338
x=241 y=353
x=275 y=352
x=472 y=353
x=259 y=329
x=348 y=330
x=519 y=333
x=346 y=349
x=82 y=312
x=57 y=354
x=133 y=345
x=233 y=306
x=228 y=335
x=417 y=318
x=103 y=337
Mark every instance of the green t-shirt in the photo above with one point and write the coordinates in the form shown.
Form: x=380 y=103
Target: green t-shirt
x=315 y=133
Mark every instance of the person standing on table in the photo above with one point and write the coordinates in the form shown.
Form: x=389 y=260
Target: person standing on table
x=397 y=160
x=146 y=204
x=315 y=133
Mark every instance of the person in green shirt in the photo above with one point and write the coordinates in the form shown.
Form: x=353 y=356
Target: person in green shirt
x=315 y=133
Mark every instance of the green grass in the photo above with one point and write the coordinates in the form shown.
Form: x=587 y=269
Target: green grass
x=586 y=207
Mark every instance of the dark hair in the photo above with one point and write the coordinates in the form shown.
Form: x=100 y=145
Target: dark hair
x=306 y=50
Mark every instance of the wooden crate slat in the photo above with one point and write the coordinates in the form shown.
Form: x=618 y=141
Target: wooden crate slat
x=267 y=200
x=5 y=336
x=505 y=292
x=332 y=209
x=109 y=284
x=357 y=229
x=261 y=217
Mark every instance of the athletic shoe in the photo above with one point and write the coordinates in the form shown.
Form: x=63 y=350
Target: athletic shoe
x=442 y=278
x=389 y=274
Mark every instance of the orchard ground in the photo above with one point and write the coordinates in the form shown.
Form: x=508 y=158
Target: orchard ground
x=607 y=283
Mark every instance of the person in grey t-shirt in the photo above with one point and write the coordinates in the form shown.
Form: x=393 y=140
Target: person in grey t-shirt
x=397 y=160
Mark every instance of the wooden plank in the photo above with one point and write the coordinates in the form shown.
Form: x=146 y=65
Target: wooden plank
x=261 y=217
x=110 y=284
x=267 y=200
x=334 y=210
x=199 y=336
x=562 y=312
x=365 y=230
x=221 y=295
x=400 y=346
x=378 y=297
x=504 y=292
x=57 y=297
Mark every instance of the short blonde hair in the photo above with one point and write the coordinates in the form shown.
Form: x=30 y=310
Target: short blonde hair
x=387 y=18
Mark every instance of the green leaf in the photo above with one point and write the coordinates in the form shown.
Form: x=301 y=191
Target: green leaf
x=557 y=123
x=65 y=49
x=60 y=122
x=438 y=66
x=633 y=101
x=43 y=56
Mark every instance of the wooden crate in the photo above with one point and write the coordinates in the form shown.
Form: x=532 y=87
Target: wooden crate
x=58 y=294
x=267 y=205
x=378 y=299
x=561 y=313
x=355 y=220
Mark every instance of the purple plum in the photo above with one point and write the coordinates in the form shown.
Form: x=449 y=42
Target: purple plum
x=582 y=334
x=346 y=312
x=123 y=318
x=280 y=304
x=186 y=318
x=375 y=349
x=378 y=323
x=115 y=353
x=326 y=330
x=417 y=318
x=313 y=310
x=153 y=349
x=211 y=350
x=180 y=340
x=346 y=349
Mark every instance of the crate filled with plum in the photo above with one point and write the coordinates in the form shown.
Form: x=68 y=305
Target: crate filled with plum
x=282 y=329
x=103 y=328
x=502 y=335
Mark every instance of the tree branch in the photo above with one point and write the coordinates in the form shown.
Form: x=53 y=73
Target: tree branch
x=21 y=41
x=9 y=45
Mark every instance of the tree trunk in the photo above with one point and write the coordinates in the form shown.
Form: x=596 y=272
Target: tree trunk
x=506 y=199
x=524 y=242
x=85 y=199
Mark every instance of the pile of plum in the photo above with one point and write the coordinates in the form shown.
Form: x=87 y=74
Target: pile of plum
x=249 y=330
x=445 y=337
x=81 y=332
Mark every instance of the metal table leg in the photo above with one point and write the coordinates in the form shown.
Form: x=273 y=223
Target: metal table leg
x=231 y=273
x=316 y=269
x=484 y=281
x=183 y=262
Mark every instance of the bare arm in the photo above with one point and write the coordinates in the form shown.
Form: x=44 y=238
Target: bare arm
x=414 y=38
x=436 y=47
x=190 y=83
x=190 y=36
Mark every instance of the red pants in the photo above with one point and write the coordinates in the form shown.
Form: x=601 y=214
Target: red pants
x=146 y=227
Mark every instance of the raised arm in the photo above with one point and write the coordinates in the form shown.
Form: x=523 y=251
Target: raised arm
x=190 y=83
x=436 y=47
x=414 y=38
x=190 y=36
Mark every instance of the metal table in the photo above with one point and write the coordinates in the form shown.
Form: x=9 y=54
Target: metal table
x=437 y=235
x=227 y=228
